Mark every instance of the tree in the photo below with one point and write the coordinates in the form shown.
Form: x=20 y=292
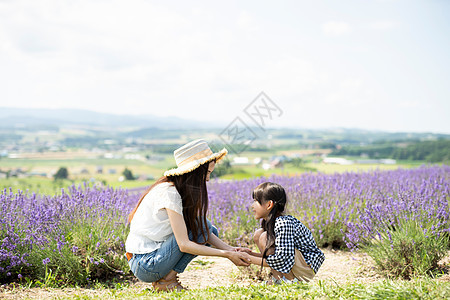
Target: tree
x=61 y=174
x=222 y=169
x=296 y=162
x=128 y=174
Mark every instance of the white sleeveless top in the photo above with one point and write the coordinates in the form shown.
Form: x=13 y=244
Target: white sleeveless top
x=150 y=226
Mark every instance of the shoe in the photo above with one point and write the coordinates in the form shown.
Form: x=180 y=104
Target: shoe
x=168 y=285
x=271 y=281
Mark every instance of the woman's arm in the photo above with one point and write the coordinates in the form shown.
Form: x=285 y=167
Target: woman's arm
x=187 y=246
x=219 y=244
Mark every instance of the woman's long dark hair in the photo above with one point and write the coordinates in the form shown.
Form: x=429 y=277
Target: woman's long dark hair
x=192 y=189
x=265 y=192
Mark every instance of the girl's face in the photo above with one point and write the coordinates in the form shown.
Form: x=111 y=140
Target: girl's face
x=211 y=167
x=261 y=211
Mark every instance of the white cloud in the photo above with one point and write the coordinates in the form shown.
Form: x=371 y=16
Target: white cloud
x=409 y=104
x=333 y=28
x=247 y=22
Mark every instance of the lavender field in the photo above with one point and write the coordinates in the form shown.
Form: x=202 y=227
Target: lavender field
x=78 y=236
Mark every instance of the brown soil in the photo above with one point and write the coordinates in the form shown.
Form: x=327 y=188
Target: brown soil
x=339 y=266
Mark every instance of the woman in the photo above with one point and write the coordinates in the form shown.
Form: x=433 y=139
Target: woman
x=168 y=226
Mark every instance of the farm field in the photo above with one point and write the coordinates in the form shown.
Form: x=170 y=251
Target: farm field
x=82 y=169
x=395 y=222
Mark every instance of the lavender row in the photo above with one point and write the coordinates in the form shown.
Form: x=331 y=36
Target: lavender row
x=343 y=209
x=79 y=231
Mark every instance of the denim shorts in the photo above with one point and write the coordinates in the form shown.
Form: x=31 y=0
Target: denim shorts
x=153 y=266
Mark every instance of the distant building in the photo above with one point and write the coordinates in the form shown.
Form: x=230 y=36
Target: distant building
x=367 y=161
x=276 y=163
x=133 y=156
x=108 y=155
x=240 y=161
x=280 y=158
x=257 y=161
x=388 y=161
x=34 y=173
x=337 y=160
x=145 y=177
x=266 y=166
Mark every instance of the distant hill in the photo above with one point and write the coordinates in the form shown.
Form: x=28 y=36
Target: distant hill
x=15 y=123
x=29 y=117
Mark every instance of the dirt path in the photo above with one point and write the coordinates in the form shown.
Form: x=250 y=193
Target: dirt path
x=340 y=266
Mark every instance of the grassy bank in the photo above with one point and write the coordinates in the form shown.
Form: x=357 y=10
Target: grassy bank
x=386 y=289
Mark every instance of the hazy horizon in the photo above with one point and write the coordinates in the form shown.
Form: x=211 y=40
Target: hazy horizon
x=217 y=125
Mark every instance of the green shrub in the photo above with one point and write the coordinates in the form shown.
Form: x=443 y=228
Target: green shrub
x=409 y=250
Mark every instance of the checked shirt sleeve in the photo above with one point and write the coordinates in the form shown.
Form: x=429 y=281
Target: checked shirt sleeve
x=284 y=257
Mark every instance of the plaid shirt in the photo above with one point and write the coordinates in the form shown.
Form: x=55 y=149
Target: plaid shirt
x=291 y=234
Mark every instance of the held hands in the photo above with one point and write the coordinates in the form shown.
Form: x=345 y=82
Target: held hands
x=241 y=249
x=239 y=258
x=248 y=251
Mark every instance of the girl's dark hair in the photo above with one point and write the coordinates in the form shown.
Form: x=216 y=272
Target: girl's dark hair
x=194 y=195
x=265 y=192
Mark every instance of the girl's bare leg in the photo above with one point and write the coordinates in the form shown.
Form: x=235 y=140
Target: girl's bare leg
x=262 y=245
x=256 y=238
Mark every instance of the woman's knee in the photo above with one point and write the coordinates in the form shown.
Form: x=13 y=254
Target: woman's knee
x=211 y=228
x=215 y=231
x=208 y=229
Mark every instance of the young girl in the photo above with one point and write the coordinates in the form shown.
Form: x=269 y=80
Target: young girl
x=286 y=245
x=168 y=226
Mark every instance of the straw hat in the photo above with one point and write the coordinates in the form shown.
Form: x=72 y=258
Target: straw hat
x=190 y=156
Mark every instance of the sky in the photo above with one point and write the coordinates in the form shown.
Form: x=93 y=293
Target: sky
x=379 y=65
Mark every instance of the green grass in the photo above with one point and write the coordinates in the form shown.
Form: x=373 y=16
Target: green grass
x=48 y=186
x=386 y=289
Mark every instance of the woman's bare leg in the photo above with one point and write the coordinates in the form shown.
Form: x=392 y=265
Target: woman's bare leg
x=171 y=275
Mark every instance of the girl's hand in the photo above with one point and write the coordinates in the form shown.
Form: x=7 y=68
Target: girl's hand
x=239 y=258
x=241 y=249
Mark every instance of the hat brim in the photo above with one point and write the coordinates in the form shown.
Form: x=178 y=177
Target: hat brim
x=197 y=163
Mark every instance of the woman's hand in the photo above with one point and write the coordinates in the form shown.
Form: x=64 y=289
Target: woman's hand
x=239 y=258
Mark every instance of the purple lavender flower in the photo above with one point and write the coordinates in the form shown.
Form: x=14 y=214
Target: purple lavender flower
x=348 y=207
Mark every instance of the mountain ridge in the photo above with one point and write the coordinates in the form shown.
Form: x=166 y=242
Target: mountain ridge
x=11 y=117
